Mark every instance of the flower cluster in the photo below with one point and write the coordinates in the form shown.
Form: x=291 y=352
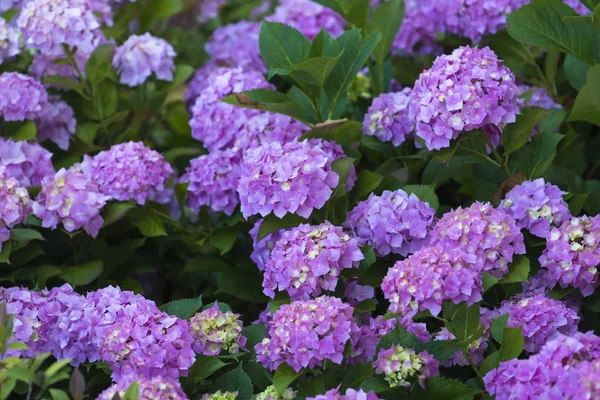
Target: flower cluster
x=466 y=90
x=269 y=127
x=308 y=17
x=9 y=41
x=56 y=122
x=263 y=248
x=481 y=230
x=537 y=97
x=305 y=333
x=215 y=331
x=364 y=341
x=44 y=65
x=536 y=206
x=394 y=222
x=157 y=388
x=24 y=304
x=129 y=171
x=219 y=124
x=28 y=163
x=220 y=396
x=308 y=260
x=423 y=19
x=236 y=45
x=292 y=178
x=21 y=97
x=140 y=56
x=351 y=394
x=208 y=10
x=402 y=367
x=270 y=393
x=572 y=254
x=15 y=204
x=387 y=118
x=566 y=367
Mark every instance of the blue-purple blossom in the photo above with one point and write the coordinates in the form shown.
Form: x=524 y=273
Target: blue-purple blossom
x=423 y=19
x=28 y=163
x=24 y=304
x=21 y=97
x=263 y=248
x=236 y=45
x=215 y=332
x=350 y=394
x=387 y=118
x=157 y=388
x=15 y=204
x=56 y=122
x=537 y=97
x=308 y=17
x=207 y=10
x=9 y=41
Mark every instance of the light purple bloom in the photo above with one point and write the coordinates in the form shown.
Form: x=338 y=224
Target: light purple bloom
x=263 y=248
x=21 y=97
x=28 y=163
x=267 y=127
x=56 y=122
x=207 y=10
x=402 y=367
x=367 y=337
x=157 y=388
x=387 y=118
x=351 y=394
x=215 y=331
x=308 y=17
x=236 y=45
x=9 y=41
x=44 y=65
x=15 y=204
x=537 y=97
x=423 y=19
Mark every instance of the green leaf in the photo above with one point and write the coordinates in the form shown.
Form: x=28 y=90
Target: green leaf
x=357 y=375
x=86 y=132
x=182 y=74
x=366 y=183
x=82 y=274
x=21 y=237
x=387 y=19
x=357 y=14
x=204 y=367
x=77 y=385
x=398 y=336
x=271 y=224
x=22 y=374
x=553 y=121
x=342 y=167
x=40 y=274
x=280 y=299
x=534 y=158
x=267 y=100
x=282 y=47
x=313 y=73
x=498 y=327
x=63 y=82
x=518 y=270
x=323 y=45
x=255 y=334
x=235 y=381
x=5 y=253
x=155 y=10
x=149 y=225
x=343 y=131
x=284 y=376
x=241 y=284
x=376 y=384
x=25 y=131
x=184 y=308
x=577 y=202
x=133 y=391
x=517 y=135
x=99 y=64
x=463 y=321
x=58 y=394
x=488 y=281
x=587 y=103
x=224 y=238
x=106 y=100
x=339 y=6
x=439 y=388
x=113 y=212
x=512 y=346
x=540 y=23
x=425 y=193
x=576 y=71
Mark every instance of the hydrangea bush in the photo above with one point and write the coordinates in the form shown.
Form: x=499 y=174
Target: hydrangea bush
x=299 y=199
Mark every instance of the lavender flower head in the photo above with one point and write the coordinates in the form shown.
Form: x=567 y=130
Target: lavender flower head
x=394 y=222
x=44 y=65
x=305 y=333
x=365 y=340
x=218 y=395
x=218 y=124
x=15 y=205
x=292 y=178
x=140 y=56
x=271 y=393
x=70 y=197
x=9 y=41
x=28 y=163
x=578 y=6
x=21 y=97
x=263 y=248
x=308 y=17
x=308 y=260
x=387 y=118
x=268 y=127
x=157 y=388
x=351 y=394
x=572 y=254
x=481 y=230
x=208 y=10
x=537 y=97
x=199 y=82
x=536 y=206
x=24 y=304
x=466 y=90
x=236 y=45
x=129 y=171
x=403 y=366
x=56 y=122
x=48 y=24
x=215 y=331
x=423 y=19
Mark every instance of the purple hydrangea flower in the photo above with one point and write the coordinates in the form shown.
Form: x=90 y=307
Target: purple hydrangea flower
x=481 y=230
x=70 y=197
x=537 y=97
x=140 y=56
x=466 y=90
x=9 y=41
x=305 y=333
x=292 y=178
x=236 y=45
x=308 y=17
x=24 y=304
x=218 y=124
x=199 y=82
x=21 y=97
x=215 y=331
x=476 y=350
x=263 y=248
x=15 y=204
x=536 y=206
x=218 y=395
x=271 y=393
x=578 y=6
x=423 y=19
x=46 y=65
x=351 y=394
x=28 y=163
x=213 y=179
x=335 y=152
x=431 y=276
x=365 y=340
x=572 y=254
x=56 y=122
x=387 y=118
x=207 y=10
x=354 y=292
x=129 y=171
x=394 y=222
x=157 y=388
x=269 y=127
x=403 y=366
x=308 y=260
x=48 y=24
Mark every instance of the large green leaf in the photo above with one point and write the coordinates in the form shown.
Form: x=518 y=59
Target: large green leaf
x=313 y=73
x=534 y=158
x=575 y=71
x=387 y=19
x=149 y=225
x=587 y=104
x=82 y=274
x=98 y=66
x=357 y=13
x=440 y=388
x=425 y=193
x=184 y=308
x=271 y=224
x=267 y=100
x=342 y=131
x=284 y=376
x=323 y=45
x=282 y=47
x=235 y=381
x=518 y=271
x=516 y=135
x=463 y=320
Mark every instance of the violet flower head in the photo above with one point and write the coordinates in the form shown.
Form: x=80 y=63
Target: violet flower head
x=466 y=90
x=481 y=230
x=387 y=118
x=402 y=367
x=292 y=178
x=141 y=56
x=432 y=275
x=394 y=222
x=263 y=248
x=305 y=333
x=236 y=45
x=129 y=171
x=350 y=394
x=70 y=197
x=271 y=393
x=218 y=395
x=308 y=17
x=536 y=206
x=56 y=122
x=336 y=152
x=537 y=97
x=309 y=259
x=212 y=181
x=10 y=39
x=215 y=123
x=423 y=20
x=578 y=6
x=207 y=10
x=44 y=65
x=24 y=304
x=268 y=127
x=572 y=254
x=365 y=340
x=47 y=25
x=21 y=97
x=15 y=204
x=199 y=82
x=156 y=388
x=215 y=332
x=28 y=163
